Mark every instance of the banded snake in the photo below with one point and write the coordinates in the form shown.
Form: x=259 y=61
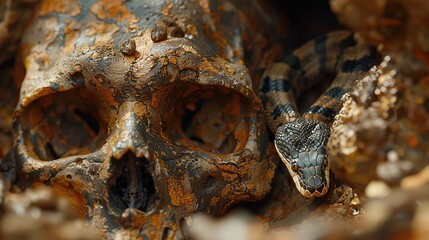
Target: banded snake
x=300 y=140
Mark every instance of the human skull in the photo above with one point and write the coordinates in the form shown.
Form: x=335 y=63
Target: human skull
x=143 y=112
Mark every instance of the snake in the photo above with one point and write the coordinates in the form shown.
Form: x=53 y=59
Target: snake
x=300 y=139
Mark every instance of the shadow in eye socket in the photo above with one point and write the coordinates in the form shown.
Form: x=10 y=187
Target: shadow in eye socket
x=90 y=120
x=50 y=151
x=206 y=118
x=64 y=124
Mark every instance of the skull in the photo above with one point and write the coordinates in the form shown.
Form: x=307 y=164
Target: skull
x=142 y=115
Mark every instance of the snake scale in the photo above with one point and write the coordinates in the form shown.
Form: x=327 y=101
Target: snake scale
x=300 y=140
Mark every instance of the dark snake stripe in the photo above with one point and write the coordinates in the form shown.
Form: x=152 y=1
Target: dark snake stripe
x=270 y=85
x=323 y=55
x=300 y=140
x=325 y=112
x=284 y=109
x=320 y=48
x=335 y=92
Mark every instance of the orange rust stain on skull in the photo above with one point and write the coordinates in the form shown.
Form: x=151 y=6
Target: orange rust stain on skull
x=226 y=191
x=107 y=93
x=105 y=9
x=229 y=177
x=73 y=192
x=226 y=67
x=192 y=30
x=207 y=66
x=70 y=7
x=218 y=38
x=159 y=97
x=140 y=109
x=27 y=99
x=214 y=201
x=71 y=32
x=179 y=196
x=157 y=228
x=166 y=10
x=229 y=168
x=241 y=134
x=172 y=60
x=153 y=220
x=103 y=33
x=37 y=54
x=250 y=186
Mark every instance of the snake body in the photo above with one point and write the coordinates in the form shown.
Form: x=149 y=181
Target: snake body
x=300 y=140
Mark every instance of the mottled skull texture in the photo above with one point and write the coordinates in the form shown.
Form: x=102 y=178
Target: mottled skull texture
x=143 y=112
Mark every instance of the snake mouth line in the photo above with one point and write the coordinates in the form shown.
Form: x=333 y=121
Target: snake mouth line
x=320 y=191
x=309 y=192
x=132 y=187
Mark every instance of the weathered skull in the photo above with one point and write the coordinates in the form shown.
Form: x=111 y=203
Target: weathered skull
x=143 y=112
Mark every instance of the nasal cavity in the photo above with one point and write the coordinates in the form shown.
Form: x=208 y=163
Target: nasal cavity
x=131 y=184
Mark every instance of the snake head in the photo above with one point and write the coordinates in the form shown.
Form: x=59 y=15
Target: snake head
x=301 y=146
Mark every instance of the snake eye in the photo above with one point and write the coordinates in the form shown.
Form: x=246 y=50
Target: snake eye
x=295 y=167
x=325 y=162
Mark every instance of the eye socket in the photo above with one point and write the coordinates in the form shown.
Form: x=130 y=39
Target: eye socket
x=64 y=124
x=204 y=118
x=295 y=167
